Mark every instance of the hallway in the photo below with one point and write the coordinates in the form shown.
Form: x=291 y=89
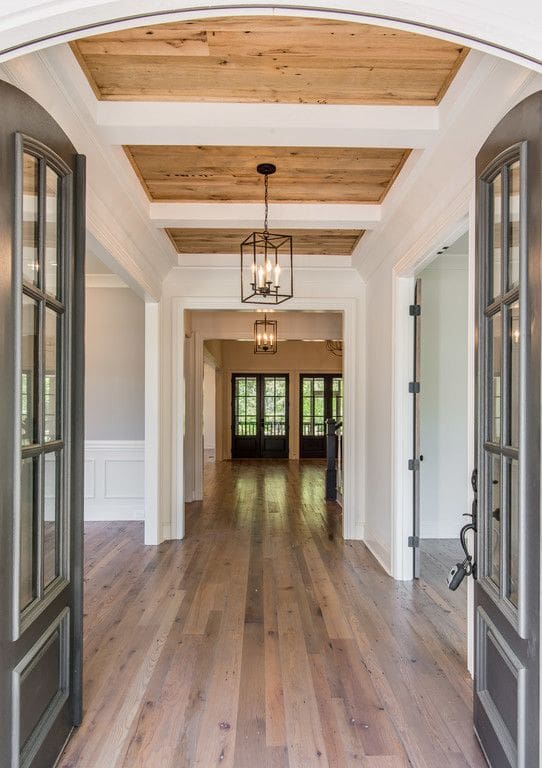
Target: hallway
x=265 y=640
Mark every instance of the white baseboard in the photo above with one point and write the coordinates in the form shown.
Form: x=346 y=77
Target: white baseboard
x=380 y=552
x=114 y=479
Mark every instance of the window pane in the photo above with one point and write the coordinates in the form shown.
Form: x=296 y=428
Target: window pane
x=513 y=344
x=494 y=348
x=29 y=371
x=269 y=386
x=28 y=531
x=251 y=387
x=513 y=224
x=495 y=237
x=241 y=385
x=52 y=380
x=494 y=519
x=30 y=218
x=51 y=517
x=52 y=239
x=513 y=533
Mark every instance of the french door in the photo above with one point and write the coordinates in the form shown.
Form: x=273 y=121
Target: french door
x=260 y=416
x=321 y=398
x=507 y=590
x=42 y=240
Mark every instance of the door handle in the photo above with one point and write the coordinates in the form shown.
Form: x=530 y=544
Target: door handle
x=468 y=566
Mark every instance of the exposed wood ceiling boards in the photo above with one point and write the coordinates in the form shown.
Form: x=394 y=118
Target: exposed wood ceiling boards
x=269 y=59
x=304 y=174
x=322 y=242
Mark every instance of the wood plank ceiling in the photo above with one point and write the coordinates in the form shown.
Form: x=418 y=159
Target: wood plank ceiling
x=268 y=60
x=326 y=242
x=304 y=174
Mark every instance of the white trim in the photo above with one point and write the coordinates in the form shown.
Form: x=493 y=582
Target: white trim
x=152 y=423
x=249 y=215
x=354 y=397
x=284 y=125
x=513 y=37
x=104 y=281
x=379 y=552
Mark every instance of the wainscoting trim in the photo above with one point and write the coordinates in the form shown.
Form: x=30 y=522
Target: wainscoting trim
x=114 y=479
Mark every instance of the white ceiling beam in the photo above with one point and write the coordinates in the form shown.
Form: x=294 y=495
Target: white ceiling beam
x=285 y=125
x=250 y=215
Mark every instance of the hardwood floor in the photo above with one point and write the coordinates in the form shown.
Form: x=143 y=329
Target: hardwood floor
x=264 y=641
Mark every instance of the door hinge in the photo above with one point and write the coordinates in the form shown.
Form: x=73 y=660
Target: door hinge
x=414 y=541
x=414 y=387
x=413 y=464
x=415 y=310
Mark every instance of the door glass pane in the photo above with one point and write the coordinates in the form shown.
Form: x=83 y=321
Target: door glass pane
x=337 y=398
x=513 y=533
x=274 y=406
x=28 y=533
x=495 y=236
x=307 y=415
x=245 y=406
x=51 y=523
x=29 y=371
x=30 y=218
x=52 y=383
x=494 y=349
x=513 y=395
x=494 y=519
x=513 y=224
x=52 y=240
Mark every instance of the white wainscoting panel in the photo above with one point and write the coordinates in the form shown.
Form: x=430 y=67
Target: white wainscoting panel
x=114 y=479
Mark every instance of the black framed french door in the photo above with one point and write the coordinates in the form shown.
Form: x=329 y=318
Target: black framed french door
x=508 y=290
x=260 y=416
x=42 y=244
x=320 y=398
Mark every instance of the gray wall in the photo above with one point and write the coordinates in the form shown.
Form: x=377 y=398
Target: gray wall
x=115 y=365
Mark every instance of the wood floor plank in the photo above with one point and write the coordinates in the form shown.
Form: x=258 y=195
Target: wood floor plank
x=263 y=640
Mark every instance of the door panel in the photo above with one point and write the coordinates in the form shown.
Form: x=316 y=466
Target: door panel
x=41 y=263
x=321 y=398
x=260 y=410
x=507 y=594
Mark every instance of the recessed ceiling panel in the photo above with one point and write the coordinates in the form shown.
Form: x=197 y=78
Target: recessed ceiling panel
x=228 y=174
x=269 y=59
x=336 y=242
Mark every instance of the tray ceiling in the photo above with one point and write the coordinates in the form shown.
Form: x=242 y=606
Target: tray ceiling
x=269 y=59
x=325 y=242
x=228 y=174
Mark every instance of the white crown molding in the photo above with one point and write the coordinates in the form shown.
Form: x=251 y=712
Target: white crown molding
x=431 y=197
x=117 y=210
x=104 y=281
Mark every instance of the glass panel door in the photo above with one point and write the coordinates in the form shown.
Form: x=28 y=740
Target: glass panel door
x=508 y=290
x=321 y=398
x=41 y=421
x=259 y=416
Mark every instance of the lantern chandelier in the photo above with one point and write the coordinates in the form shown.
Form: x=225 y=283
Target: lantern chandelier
x=266 y=259
x=265 y=336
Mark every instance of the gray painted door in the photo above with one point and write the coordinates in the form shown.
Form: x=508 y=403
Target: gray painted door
x=41 y=427
x=507 y=592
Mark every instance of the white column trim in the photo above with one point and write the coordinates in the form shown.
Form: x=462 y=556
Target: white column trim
x=153 y=511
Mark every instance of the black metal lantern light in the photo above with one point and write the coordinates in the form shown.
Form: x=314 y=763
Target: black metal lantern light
x=266 y=260
x=265 y=336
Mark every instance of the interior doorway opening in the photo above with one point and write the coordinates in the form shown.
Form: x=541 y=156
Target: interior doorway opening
x=442 y=415
x=209 y=409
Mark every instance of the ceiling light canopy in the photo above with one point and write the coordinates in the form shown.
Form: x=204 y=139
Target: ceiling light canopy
x=267 y=259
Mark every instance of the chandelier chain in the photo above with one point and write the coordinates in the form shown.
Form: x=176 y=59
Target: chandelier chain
x=266 y=179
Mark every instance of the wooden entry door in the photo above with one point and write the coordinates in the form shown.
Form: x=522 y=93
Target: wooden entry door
x=260 y=418
x=321 y=398
x=507 y=590
x=42 y=242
